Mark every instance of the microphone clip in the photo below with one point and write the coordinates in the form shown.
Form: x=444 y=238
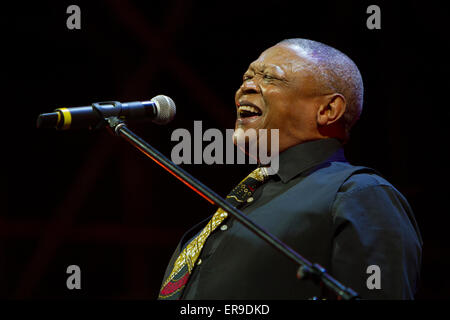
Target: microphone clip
x=107 y=118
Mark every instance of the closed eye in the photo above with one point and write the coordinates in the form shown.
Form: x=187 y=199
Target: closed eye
x=265 y=76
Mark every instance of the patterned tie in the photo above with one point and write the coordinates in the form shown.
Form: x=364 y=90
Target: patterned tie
x=173 y=286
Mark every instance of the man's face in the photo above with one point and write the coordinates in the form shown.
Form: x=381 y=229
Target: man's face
x=278 y=92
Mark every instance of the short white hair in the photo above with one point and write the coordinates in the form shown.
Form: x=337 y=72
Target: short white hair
x=336 y=71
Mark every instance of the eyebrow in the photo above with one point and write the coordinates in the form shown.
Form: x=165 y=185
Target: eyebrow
x=256 y=66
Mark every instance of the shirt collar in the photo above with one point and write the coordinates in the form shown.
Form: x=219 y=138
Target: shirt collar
x=304 y=156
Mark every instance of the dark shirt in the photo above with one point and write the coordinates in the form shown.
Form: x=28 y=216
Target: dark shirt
x=344 y=224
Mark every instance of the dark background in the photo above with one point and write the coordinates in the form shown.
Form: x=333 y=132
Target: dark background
x=90 y=199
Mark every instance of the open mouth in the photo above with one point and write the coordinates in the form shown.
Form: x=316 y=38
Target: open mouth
x=247 y=111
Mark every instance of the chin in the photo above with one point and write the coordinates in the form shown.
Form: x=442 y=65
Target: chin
x=246 y=139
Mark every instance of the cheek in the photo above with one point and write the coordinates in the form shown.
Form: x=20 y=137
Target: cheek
x=303 y=117
x=276 y=100
x=293 y=116
x=282 y=107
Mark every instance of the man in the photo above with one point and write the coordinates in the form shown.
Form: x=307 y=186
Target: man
x=346 y=218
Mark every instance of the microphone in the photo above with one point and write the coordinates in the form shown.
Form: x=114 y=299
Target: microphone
x=161 y=110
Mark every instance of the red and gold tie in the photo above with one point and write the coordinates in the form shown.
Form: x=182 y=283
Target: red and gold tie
x=173 y=286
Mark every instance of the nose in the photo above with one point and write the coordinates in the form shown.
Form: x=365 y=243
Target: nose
x=249 y=86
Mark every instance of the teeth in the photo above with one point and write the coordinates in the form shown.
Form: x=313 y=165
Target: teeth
x=249 y=109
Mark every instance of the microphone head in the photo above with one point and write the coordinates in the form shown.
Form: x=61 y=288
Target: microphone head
x=166 y=109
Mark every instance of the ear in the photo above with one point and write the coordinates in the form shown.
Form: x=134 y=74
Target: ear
x=332 y=110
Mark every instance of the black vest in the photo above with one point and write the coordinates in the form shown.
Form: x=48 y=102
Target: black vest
x=236 y=264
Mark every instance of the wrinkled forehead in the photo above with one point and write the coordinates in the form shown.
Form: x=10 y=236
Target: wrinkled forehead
x=282 y=58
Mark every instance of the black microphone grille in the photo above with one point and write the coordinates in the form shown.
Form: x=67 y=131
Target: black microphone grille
x=166 y=109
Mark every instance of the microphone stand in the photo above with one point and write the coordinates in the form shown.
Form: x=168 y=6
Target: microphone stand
x=307 y=270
